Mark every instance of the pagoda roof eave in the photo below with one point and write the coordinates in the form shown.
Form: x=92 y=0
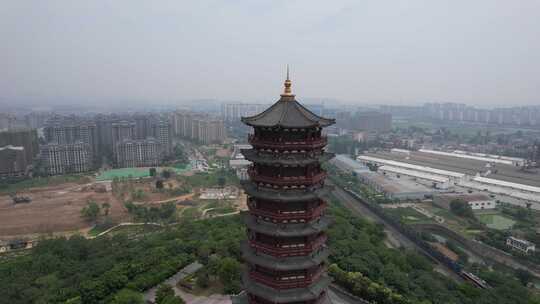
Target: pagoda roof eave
x=286 y=230
x=291 y=159
x=286 y=295
x=284 y=264
x=285 y=195
x=287 y=113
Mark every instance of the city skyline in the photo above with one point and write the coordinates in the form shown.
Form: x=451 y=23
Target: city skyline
x=481 y=53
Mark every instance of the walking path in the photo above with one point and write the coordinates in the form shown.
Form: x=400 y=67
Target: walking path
x=150 y=295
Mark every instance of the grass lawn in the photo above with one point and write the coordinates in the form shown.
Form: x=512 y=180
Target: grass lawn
x=495 y=221
x=454 y=222
x=409 y=215
x=139 y=172
x=128 y=230
x=124 y=172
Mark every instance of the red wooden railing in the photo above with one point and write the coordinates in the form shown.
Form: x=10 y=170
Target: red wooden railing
x=286 y=181
x=281 y=215
x=302 y=144
x=289 y=251
x=286 y=284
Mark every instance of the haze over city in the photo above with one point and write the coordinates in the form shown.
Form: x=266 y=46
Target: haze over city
x=484 y=53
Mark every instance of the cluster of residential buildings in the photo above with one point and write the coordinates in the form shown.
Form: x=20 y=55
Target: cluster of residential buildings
x=458 y=112
x=232 y=112
x=76 y=144
x=366 y=121
x=18 y=148
x=199 y=127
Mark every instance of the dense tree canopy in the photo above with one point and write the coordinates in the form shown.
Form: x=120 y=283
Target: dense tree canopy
x=117 y=269
x=96 y=271
x=360 y=253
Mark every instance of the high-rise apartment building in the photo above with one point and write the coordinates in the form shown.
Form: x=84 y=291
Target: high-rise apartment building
x=66 y=158
x=365 y=121
x=202 y=128
x=455 y=112
x=138 y=153
x=163 y=133
x=73 y=131
x=36 y=120
x=232 y=112
x=13 y=162
x=26 y=138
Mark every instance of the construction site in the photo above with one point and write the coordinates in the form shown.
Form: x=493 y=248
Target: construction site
x=53 y=209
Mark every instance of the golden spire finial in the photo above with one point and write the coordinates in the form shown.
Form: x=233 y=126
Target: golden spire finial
x=287 y=92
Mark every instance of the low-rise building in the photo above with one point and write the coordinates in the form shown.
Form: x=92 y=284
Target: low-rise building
x=238 y=162
x=394 y=187
x=520 y=244
x=482 y=205
x=444 y=200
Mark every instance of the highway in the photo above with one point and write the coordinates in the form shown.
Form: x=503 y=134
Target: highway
x=395 y=236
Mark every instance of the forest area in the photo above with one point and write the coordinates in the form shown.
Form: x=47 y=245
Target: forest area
x=77 y=270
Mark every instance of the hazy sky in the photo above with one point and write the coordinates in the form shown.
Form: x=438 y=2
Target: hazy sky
x=364 y=51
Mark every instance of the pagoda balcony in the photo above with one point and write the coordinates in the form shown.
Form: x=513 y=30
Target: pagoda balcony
x=286 y=180
x=288 y=144
x=281 y=283
x=287 y=215
x=289 y=251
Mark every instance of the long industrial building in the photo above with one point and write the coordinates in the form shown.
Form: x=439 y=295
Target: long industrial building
x=499 y=176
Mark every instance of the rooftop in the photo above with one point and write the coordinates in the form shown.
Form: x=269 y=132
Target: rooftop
x=287 y=113
x=503 y=172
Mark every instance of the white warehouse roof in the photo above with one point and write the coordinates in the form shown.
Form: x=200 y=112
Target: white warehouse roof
x=501 y=191
x=421 y=175
x=501 y=183
x=468 y=156
x=411 y=166
x=514 y=159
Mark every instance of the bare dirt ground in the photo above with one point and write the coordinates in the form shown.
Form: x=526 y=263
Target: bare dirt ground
x=223 y=153
x=53 y=209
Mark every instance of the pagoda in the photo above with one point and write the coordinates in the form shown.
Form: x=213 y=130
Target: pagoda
x=286 y=251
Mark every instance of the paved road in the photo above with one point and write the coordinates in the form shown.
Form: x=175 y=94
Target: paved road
x=150 y=294
x=339 y=297
x=393 y=234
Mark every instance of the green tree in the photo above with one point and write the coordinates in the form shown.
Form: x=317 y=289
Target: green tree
x=461 y=208
x=221 y=181
x=91 y=211
x=152 y=171
x=524 y=276
x=166 y=174
x=229 y=275
x=106 y=208
x=203 y=280
x=164 y=291
x=128 y=296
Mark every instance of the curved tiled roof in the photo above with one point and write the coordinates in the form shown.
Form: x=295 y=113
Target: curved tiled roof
x=298 y=159
x=286 y=295
x=288 y=113
x=285 y=195
x=281 y=264
x=288 y=230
